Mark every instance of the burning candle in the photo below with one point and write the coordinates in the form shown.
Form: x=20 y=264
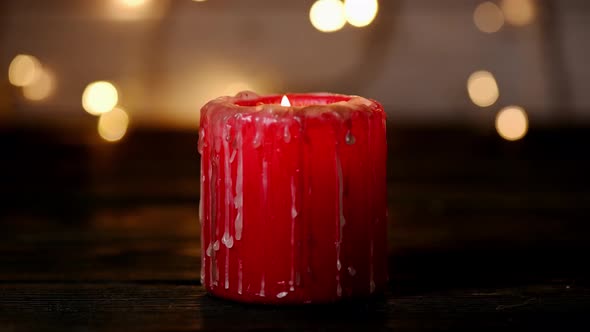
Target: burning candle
x=293 y=198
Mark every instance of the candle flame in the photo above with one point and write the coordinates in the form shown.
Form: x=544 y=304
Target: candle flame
x=285 y=101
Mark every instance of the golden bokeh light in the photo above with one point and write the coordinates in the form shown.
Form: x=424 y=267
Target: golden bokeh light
x=113 y=125
x=133 y=10
x=23 y=70
x=519 y=12
x=134 y=3
x=100 y=97
x=482 y=88
x=360 y=13
x=512 y=123
x=327 y=15
x=488 y=17
x=42 y=87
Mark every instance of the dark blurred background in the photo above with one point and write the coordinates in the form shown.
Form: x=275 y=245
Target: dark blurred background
x=488 y=111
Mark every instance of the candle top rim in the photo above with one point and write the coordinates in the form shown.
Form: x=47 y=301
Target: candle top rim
x=250 y=102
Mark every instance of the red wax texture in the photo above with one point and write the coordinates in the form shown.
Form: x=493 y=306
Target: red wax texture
x=293 y=199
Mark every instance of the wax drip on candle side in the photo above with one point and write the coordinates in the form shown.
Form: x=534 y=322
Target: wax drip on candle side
x=350 y=139
x=232 y=157
x=257 y=141
x=202 y=142
x=227 y=239
x=262 y=287
x=240 y=276
x=239 y=197
x=287 y=134
x=212 y=217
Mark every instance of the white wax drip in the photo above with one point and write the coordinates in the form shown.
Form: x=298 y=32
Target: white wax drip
x=287 y=134
x=227 y=238
x=209 y=251
x=232 y=157
x=257 y=141
x=240 y=268
x=349 y=138
x=203 y=272
x=211 y=214
x=262 y=287
x=293 y=216
x=239 y=224
x=265 y=180
x=239 y=198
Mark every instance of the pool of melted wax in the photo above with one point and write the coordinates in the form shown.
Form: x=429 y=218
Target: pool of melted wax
x=294 y=198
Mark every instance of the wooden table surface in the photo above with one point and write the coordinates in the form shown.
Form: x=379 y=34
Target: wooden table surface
x=500 y=244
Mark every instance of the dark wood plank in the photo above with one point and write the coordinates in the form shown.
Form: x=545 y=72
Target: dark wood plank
x=136 y=243
x=120 y=307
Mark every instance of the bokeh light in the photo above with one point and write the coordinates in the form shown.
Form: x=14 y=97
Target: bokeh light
x=519 y=12
x=134 y=3
x=327 y=15
x=488 y=17
x=113 y=125
x=512 y=123
x=133 y=10
x=42 y=87
x=23 y=70
x=100 y=97
x=360 y=13
x=482 y=88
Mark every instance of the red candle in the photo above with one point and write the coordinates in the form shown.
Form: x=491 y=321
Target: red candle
x=293 y=198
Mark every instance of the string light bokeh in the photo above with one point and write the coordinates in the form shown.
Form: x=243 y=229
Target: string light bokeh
x=512 y=123
x=112 y=126
x=518 y=12
x=23 y=70
x=100 y=97
x=360 y=13
x=327 y=15
x=482 y=88
x=42 y=87
x=488 y=17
